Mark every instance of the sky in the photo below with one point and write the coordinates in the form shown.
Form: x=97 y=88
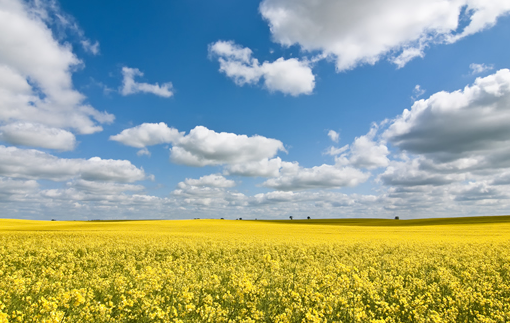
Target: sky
x=254 y=109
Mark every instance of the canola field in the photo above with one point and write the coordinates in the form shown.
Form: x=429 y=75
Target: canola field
x=255 y=271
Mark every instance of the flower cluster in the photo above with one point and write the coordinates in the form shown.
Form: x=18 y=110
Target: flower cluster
x=240 y=271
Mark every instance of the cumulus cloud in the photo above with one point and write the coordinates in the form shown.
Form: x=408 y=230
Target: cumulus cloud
x=276 y=197
x=213 y=180
x=37 y=135
x=265 y=204
x=294 y=177
x=313 y=201
x=333 y=135
x=86 y=205
x=103 y=187
x=148 y=134
x=289 y=76
x=480 y=68
x=82 y=191
x=364 y=152
x=208 y=198
x=203 y=147
x=453 y=151
x=89 y=194
x=263 y=168
x=469 y=123
x=501 y=179
x=409 y=173
x=143 y=151
x=480 y=191
x=10 y=187
x=35 y=164
x=200 y=192
x=362 y=32
x=130 y=86
x=208 y=191
x=35 y=74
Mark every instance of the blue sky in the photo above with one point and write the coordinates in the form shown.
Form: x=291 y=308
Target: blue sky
x=254 y=109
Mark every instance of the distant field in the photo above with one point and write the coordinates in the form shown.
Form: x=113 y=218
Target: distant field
x=337 y=270
x=413 y=222
x=24 y=225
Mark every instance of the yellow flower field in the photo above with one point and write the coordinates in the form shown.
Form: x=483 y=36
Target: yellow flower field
x=253 y=271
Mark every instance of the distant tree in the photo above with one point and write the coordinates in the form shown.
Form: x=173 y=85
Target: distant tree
x=222 y=219
x=308 y=218
x=397 y=218
x=53 y=220
x=290 y=217
x=240 y=218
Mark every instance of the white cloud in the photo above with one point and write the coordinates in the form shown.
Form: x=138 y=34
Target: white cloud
x=408 y=54
x=10 y=188
x=417 y=92
x=501 y=179
x=143 y=151
x=89 y=47
x=86 y=193
x=333 y=135
x=333 y=151
x=276 y=197
x=366 y=153
x=86 y=205
x=203 y=147
x=102 y=188
x=454 y=151
x=208 y=198
x=50 y=12
x=480 y=191
x=213 y=180
x=97 y=169
x=37 y=135
x=148 y=134
x=130 y=86
x=289 y=76
x=200 y=192
x=484 y=15
x=455 y=199
x=35 y=164
x=362 y=32
x=466 y=124
x=480 y=68
x=230 y=50
x=208 y=191
x=263 y=168
x=410 y=174
x=295 y=177
x=313 y=202
x=29 y=51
